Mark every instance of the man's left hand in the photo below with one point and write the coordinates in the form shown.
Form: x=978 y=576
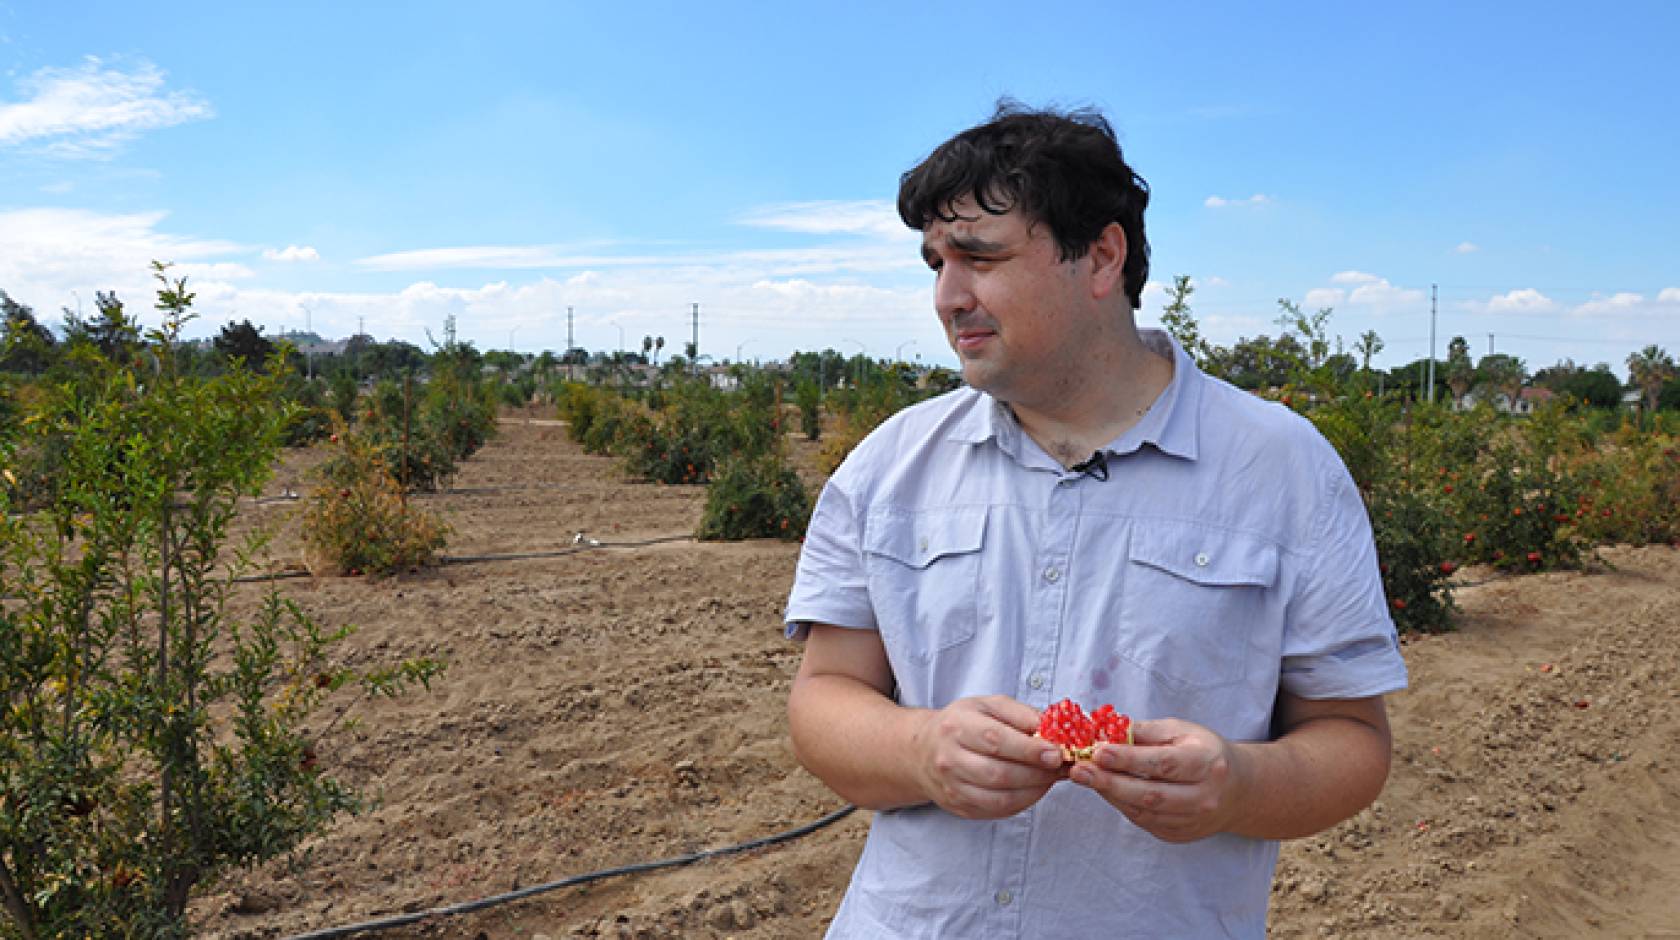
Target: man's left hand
x=1178 y=781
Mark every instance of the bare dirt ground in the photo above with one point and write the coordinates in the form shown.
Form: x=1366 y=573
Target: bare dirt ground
x=615 y=705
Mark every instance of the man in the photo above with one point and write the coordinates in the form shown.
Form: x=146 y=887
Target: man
x=1095 y=519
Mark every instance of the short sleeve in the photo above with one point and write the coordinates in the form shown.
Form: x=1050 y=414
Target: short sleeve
x=1339 y=641
x=829 y=585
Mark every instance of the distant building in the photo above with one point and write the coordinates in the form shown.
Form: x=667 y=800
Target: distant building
x=1528 y=399
x=723 y=378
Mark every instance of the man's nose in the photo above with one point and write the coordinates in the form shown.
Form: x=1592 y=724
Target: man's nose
x=952 y=292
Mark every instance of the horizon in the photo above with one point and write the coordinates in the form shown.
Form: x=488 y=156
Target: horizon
x=380 y=168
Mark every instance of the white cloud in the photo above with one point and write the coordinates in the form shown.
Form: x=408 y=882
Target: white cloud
x=1214 y=281
x=873 y=217
x=477 y=256
x=1354 y=277
x=1669 y=295
x=291 y=253
x=1228 y=328
x=91 y=110
x=1385 y=296
x=835 y=302
x=1466 y=248
x=59 y=188
x=1220 y=202
x=1324 y=297
x=218 y=270
x=1369 y=293
x=46 y=254
x=1621 y=303
x=779 y=261
x=869 y=291
x=1524 y=300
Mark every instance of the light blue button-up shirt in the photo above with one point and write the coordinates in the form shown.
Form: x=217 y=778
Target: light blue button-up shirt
x=1227 y=555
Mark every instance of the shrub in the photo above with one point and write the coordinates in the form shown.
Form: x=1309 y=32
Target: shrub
x=459 y=414
x=407 y=444
x=344 y=393
x=1415 y=552
x=1630 y=490
x=808 y=396
x=310 y=416
x=861 y=410
x=697 y=427
x=578 y=405
x=357 y=520
x=610 y=419
x=148 y=740
x=755 y=496
x=1513 y=509
x=1362 y=429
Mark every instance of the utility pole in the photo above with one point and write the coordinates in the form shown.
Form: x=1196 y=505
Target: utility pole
x=570 y=345
x=1490 y=344
x=1432 y=344
x=309 y=327
x=694 y=366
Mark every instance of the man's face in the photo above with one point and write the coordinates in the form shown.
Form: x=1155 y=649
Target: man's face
x=1016 y=315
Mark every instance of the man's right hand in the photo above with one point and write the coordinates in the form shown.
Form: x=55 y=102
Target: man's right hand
x=979 y=759
x=975 y=757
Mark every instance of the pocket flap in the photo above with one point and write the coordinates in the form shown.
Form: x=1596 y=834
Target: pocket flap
x=1207 y=556
x=917 y=538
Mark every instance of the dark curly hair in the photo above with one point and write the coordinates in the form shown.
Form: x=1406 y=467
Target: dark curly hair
x=1061 y=168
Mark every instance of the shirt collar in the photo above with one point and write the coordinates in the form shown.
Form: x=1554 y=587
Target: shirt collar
x=987 y=419
x=1173 y=421
x=1171 y=424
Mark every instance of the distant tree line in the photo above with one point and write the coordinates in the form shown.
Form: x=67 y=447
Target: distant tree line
x=1266 y=362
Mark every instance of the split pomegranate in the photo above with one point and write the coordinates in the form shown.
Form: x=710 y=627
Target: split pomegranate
x=1078 y=734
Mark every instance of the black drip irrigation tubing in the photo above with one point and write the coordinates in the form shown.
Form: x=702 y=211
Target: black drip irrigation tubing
x=587 y=546
x=467 y=907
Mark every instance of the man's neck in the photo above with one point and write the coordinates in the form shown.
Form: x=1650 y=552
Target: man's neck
x=1112 y=396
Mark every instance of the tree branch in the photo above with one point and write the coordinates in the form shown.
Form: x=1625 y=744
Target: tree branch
x=15 y=905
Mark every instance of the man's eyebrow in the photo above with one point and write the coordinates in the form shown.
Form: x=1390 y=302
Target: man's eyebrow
x=967 y=244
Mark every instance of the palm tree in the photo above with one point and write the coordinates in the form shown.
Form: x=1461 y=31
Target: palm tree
x=1651 y=368
x=1504 y=374
x=1368 y=346
x=1461 y=375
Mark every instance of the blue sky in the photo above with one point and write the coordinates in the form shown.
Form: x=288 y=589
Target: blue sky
x=388 y=165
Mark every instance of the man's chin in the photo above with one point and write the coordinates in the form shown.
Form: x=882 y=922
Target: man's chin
x=978 y=375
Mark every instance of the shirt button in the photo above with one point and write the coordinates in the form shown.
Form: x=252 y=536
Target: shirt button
x=1004 y=897
x=1052 y=574
x=922 y=544
x=1036 y=680
x=1201 y=559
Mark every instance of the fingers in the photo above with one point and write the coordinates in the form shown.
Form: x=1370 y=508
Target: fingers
x=1142 y=795
x=1162 y=731
x=1164 y=749
x=1175 y=782
x=1166 y=762
x=1003 y=728
x=980 y=764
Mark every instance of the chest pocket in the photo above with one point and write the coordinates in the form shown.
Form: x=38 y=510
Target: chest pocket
x=924 y=577
x=1191 y=601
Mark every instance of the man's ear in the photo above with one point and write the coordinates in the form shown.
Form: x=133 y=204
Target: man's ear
x=1108 y=262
